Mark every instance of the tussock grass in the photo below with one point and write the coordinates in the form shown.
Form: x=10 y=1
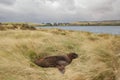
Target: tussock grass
x=99 y=55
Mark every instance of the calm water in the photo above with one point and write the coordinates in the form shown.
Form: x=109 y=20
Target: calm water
x=95 y=29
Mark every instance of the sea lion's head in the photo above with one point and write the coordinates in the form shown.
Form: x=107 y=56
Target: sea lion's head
x=72 y=55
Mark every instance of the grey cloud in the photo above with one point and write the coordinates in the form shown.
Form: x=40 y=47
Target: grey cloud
x=107 y=9
x=7 y=2
x=59 y=10
x=105 y=6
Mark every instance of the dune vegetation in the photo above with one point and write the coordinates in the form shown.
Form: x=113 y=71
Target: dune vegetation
x=99 y=54
x=20 y=26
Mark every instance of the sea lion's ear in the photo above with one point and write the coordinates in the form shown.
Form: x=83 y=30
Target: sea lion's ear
x=61 y=69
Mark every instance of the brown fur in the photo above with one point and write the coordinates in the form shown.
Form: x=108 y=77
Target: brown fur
x=56 y=61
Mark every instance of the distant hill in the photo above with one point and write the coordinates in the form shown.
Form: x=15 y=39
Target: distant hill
x=96 y=23
x=32 y=26
x=87 y=23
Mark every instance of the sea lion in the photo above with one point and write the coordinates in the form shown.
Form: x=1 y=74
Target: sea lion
x=59 y=61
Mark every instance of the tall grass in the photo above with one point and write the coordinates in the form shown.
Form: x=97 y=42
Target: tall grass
x=99 y=55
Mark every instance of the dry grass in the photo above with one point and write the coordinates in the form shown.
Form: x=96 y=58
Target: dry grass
x=99 y=55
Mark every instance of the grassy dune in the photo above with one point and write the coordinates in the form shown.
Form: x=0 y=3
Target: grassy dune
x=99 y=55
x=17 y=26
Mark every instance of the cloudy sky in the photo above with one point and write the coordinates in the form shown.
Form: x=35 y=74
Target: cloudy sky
x=58 y=10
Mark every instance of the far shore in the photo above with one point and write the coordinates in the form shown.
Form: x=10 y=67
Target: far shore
x=17 y=25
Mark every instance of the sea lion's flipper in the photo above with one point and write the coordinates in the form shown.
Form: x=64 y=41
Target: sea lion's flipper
x=61 y=68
